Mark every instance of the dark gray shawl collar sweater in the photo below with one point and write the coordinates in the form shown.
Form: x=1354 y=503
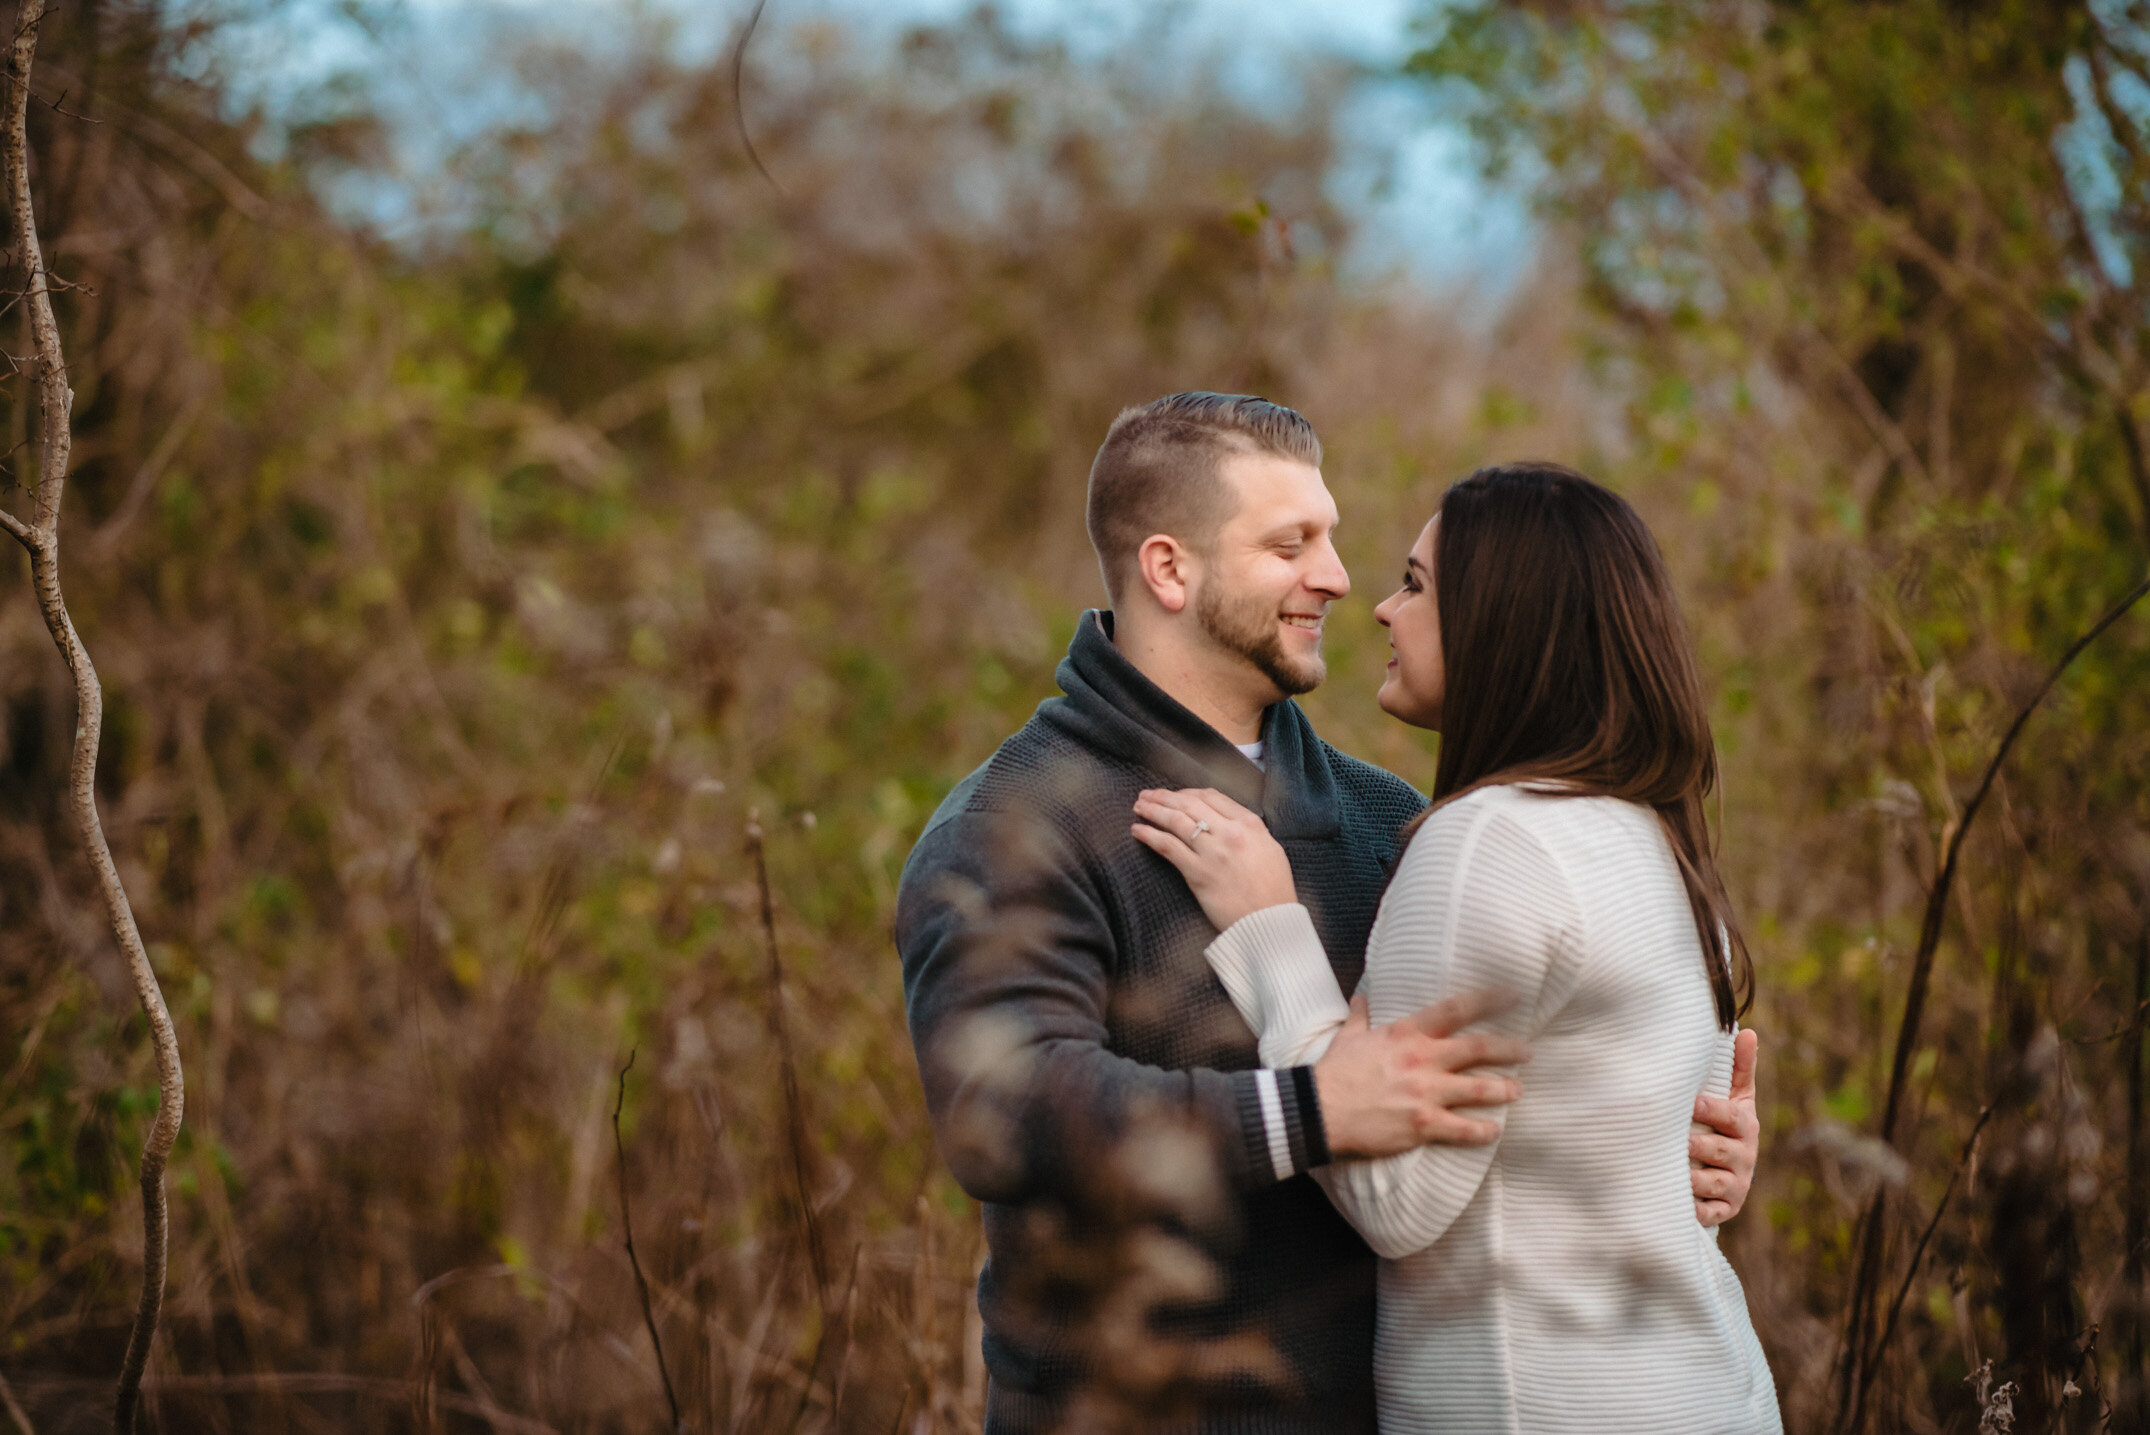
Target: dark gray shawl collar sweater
x=1153 y=1242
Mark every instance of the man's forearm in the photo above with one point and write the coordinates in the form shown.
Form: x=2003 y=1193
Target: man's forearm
x=1068 y=1119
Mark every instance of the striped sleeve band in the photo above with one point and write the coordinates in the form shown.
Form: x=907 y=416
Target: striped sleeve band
x=1309 y=1138
x=1273 y=1124
x=1281 y=1114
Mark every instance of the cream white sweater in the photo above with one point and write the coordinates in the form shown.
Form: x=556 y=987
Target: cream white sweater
x=1556 y=1280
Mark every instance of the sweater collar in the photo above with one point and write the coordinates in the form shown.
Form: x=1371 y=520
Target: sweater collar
x=1112 y=707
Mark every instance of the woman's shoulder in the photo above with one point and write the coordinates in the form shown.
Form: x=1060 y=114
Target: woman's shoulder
x=1536 y=806
x=1495 y=848
x=1499 y=816
x=1562 y=825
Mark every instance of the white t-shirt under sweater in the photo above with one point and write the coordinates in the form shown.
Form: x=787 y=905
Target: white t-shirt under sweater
x=1556 y=1280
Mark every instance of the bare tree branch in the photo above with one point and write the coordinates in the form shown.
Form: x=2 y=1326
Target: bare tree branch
x=1937 y=900
x=41 y=535
x=739 y=94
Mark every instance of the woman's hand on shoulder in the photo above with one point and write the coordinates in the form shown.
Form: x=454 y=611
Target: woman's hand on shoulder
x=1231 y=863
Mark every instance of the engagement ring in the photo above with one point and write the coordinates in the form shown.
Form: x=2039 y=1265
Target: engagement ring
x=1199 y=829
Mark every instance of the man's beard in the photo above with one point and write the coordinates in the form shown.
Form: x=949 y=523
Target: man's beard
x=1250 y=628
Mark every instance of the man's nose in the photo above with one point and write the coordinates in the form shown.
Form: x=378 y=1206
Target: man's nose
x=1328 y=575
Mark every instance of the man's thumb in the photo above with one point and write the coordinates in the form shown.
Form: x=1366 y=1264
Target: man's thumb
x=1746 y=1053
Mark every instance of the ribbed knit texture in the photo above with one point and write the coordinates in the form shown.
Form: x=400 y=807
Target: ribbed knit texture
x=1557 y=1280
x=1091 y=1083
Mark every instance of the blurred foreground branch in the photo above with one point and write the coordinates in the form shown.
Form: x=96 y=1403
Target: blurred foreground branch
x=14 y=1408
x=41 y=536
x=1861 y=1352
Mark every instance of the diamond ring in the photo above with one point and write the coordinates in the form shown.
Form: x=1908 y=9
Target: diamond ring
x=1199 y=829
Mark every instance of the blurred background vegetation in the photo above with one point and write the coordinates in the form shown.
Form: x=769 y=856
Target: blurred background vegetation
x=464 y=589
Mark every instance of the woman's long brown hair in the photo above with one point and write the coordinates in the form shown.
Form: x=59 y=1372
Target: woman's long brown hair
x=1569 y=663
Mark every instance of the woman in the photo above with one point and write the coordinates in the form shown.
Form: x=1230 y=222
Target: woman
x=1554 y=1279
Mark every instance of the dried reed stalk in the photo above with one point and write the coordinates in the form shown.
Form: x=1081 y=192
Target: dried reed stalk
x=1918 y=1252
x=1862 y=1350
x=787 y=1065
x=41 y=537
x=627 y=1228
x=2135 y=1201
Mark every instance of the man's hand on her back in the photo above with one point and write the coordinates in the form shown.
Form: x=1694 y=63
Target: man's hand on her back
x=1721 y=1159
x=1393 y=1088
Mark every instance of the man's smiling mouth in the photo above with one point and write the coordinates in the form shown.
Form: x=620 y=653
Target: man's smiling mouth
x=1303 y=620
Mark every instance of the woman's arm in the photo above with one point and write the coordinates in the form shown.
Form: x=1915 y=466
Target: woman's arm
x=1272 y=965
x=1477 y=902
x=1378 y=1090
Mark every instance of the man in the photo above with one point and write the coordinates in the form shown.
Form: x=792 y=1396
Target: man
x=1157 y=1257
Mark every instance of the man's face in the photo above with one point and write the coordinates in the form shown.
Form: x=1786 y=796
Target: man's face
x=1272 y=572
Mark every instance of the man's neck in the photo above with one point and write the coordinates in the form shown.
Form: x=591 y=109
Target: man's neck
x=1193 y=680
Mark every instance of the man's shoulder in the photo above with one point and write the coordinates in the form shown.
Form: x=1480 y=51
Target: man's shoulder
x=1038 y=790
x=1038 y=767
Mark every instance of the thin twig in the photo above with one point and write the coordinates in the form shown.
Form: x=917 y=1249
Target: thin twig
x=71 y=114
x=1859 y=1358
x=739 y=95
x=627 y=1227
x=821 y=1343
x=788 y=1067
x=1918 y=1252
x=843 y=1361
x=55 y=408
x=2135 y=1203
x=557 y=887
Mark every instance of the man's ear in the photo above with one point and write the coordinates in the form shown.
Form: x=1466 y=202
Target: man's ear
x=1168 y=570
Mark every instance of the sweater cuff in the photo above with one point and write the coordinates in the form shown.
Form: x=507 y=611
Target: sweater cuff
x=1312 y=1135
x=1281 y=1116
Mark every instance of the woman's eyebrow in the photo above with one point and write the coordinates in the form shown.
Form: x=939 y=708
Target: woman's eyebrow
x=1411 y=562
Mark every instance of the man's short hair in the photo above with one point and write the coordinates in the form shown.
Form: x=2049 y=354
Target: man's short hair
x=1160 y=470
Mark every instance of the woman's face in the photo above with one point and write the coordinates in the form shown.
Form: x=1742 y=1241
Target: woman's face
x=1418 y=673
